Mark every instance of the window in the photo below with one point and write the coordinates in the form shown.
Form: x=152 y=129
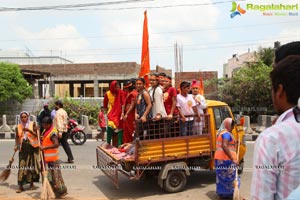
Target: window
x=220 y=113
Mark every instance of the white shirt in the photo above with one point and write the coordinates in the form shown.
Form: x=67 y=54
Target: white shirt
x=158 y=106
x=186 y=105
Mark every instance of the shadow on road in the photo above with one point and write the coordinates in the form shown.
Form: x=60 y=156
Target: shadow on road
x=132 y=189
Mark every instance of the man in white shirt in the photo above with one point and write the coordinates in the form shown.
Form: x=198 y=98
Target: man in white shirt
x=60 y=123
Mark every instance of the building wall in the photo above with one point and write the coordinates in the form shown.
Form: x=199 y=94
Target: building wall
x=88 y=75
x=236 y=62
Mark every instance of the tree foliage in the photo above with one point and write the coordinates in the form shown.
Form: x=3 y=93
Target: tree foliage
x=249 y=90
x=266 y=55
x=12 y=83
x=75 y=109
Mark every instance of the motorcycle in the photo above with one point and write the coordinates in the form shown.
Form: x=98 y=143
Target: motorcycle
x=76 y=132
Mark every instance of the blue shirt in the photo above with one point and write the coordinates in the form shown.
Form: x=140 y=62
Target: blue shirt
x=227 y=136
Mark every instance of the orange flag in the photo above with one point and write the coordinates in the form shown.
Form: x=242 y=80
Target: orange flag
x=145 y=61
x=201 y=88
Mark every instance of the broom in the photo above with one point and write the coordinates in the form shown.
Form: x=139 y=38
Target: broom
x=46 y=192
x=5 y=174
x=236 y=193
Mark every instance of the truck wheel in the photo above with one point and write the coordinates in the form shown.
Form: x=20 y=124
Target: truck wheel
x=175 y=181
x=241 y=167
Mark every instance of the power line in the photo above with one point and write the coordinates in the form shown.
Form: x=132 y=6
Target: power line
x=151 y=7
x=158 y=33
x=6 y=9
x=169 y=49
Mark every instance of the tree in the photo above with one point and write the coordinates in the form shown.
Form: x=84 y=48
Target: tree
x=249 y=90
x=12 y=83
x=266 y=55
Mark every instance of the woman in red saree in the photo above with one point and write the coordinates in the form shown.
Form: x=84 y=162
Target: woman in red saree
x=129 y=111
x=114 y=101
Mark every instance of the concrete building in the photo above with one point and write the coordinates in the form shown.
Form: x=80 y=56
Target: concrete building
x=24 y=58
x=84 y=79
x=236 y=62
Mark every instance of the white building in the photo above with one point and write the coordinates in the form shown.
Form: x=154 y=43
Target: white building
x=24 y=58
x=236 y=62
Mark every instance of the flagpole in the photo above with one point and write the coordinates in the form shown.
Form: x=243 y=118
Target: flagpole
x=145 y=58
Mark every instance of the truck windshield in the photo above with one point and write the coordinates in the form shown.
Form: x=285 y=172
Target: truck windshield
x=220 y=114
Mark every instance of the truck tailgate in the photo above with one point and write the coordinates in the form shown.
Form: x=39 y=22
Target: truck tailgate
x=108 y=164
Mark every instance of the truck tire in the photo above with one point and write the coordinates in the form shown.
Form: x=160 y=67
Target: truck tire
x=175 y=181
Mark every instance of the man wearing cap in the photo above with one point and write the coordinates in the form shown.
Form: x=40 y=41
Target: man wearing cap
x=201 y=105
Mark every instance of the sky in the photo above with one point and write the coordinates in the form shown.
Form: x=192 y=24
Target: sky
x=111 y=30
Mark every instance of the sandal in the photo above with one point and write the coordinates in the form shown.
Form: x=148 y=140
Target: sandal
x=19 y=190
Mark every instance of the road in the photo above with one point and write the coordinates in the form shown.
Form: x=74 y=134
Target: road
x=86 y=182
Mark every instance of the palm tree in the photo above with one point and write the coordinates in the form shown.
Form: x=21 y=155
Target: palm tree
x=266 y=55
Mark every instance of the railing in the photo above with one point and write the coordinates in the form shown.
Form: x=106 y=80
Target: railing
x=166 y=128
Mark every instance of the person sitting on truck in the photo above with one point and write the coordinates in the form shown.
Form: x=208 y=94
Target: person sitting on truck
x=201 y=105
x=225 y=159
x=186 y=106
x=143 y=107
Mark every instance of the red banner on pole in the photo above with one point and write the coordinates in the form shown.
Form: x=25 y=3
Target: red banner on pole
x=145 y=61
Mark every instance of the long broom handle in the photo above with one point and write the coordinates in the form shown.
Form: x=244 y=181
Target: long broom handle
x=41 y=153
x=237 y=156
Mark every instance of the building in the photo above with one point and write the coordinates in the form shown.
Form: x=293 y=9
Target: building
x=161 y=69
x=83 y=79
x=236 y=62
x=24 y=58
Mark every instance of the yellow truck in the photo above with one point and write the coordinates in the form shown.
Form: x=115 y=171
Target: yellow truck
x=158 y=149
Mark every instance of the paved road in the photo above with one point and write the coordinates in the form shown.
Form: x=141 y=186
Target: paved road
x=85 y=182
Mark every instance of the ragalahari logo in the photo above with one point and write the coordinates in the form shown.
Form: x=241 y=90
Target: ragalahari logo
x=236 y=10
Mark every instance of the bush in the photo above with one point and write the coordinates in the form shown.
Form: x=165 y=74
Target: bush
x=75 y=109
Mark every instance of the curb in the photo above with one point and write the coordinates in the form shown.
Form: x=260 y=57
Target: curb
x=12 y=135
x=251 y=137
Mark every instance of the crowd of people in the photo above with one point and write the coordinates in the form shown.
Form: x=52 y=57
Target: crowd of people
x=276 y=155
x=151 y=111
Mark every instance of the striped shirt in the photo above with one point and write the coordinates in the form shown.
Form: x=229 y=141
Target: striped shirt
x=60 y=120
x=276 y=160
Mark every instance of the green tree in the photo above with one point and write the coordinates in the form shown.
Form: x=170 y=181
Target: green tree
x=250 y=89
x=12 y=83
x=266 y=55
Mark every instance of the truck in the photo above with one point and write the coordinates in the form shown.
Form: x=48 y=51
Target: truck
x=159 y=150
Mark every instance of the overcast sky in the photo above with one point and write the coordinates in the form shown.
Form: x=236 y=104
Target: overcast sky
x=113 y=32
